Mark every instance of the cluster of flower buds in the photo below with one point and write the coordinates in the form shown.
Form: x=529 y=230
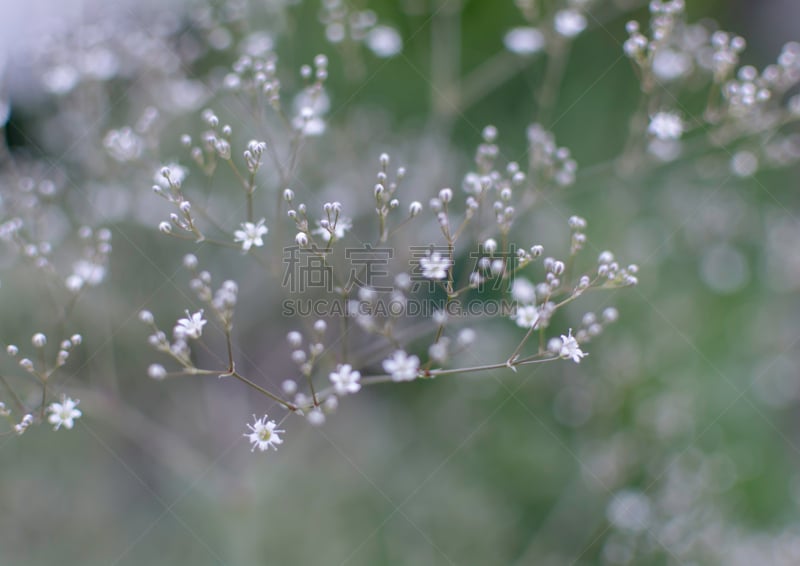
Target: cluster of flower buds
x=343 y=23
x=256 y=75
x=549 y=163
x=168 y=185
x=614 y=274
x=312 y=102
x=39 y=342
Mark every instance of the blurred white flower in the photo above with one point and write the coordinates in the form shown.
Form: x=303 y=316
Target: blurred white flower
x=434 y=265
x=401 y=366
x=384 y=41
x=89 y=272
x=666 y=126
x=527 y=316
x=523 y=291
x=524 y=40
x=345 y=380
x=569 y=23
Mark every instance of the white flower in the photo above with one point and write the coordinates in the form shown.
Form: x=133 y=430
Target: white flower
x=250 y=234
x=123 y=145
x=524 y=40
x=527 y=316
x=342 y=226
x=434 y=265
x=384 y=41
x=523 y=291
x=64 y=413
x=669 y=64
x=263 y=434
x=192 y=326
x=569 y=23
x=89 y=272
x=345 y=380
x=570 y=349
x=666 y=126
x=401 y=366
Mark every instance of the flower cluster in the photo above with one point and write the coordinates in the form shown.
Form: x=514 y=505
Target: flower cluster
x=44 y=371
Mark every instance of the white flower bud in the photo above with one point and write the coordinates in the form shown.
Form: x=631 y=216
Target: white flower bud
x=610 y=315
x=414 y=208
x=294 y=338
x=39 y=340
x=466 y=337
x=316 y=417
x=156 y=371
x=301 y=239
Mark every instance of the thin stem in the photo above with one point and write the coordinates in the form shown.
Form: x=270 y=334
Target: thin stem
x=528 y=334
x=17 y=401
x=260 y=389
x=554 y=74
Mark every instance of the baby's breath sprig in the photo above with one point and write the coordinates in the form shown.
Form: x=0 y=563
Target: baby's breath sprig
x=43 y=370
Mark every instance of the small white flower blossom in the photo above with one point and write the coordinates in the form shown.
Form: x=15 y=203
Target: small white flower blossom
x=263 y=434
x=345 y=380
x=64 y=413
x=192 y=326
x=570 y=349
x=527 y=316
x=434 y=265
x=666 y=126
x=401 y=366
x=251 y=235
